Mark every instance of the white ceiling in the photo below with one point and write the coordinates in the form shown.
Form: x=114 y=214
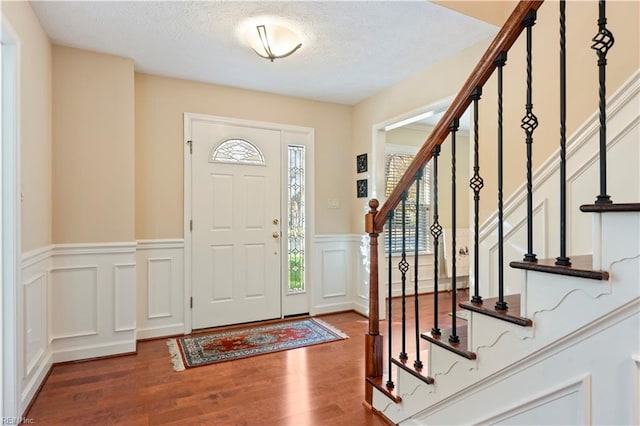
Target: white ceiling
x=350 y=49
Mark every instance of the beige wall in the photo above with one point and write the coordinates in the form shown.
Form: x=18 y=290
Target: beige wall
x=582 y=88
x=413 y=136
x=93 y=147
x=432 y=85
x=35 y=124
x=493 y=12
x=160 y=105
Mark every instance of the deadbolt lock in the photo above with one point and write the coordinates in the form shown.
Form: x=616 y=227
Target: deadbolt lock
x=276 y=221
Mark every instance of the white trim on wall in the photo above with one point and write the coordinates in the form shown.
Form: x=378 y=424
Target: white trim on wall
x=336 y=273
x=102 y=321
x=33 y=325
x=170 y=253
x=10 y=227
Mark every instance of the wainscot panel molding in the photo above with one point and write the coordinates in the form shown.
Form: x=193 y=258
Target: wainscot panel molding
x=91 y=300
x=425 y=275
x=160 y=288
x=32 y=352
x=336 y=273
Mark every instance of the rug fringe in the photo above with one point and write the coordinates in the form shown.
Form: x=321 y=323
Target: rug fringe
x=330 y=327
x=176 y=358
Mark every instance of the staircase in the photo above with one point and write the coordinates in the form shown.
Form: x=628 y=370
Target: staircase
x=539 y=341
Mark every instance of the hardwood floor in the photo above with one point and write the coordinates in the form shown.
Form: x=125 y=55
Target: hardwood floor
x=316 y=385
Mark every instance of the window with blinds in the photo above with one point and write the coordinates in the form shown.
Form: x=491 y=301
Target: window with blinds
x=395 y=166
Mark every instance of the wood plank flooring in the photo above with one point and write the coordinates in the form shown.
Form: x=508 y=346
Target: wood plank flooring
x=316 y=385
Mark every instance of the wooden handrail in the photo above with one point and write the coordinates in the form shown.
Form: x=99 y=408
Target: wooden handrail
x=503 y=41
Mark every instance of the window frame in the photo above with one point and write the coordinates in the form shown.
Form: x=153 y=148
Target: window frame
x=426 y=208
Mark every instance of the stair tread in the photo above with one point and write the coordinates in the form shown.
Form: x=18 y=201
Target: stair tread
x=413 y=371
x=379 y=383
x=443 y=341
x=580 y=267
x=488 y=307
x=610 y=208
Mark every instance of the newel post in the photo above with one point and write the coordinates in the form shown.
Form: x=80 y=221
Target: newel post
x=373 y=339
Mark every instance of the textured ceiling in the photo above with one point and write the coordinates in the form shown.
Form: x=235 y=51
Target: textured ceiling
x=350 y=49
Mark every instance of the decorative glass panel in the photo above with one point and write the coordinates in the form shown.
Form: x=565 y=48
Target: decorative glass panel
x=237 y=151
x=296 y=217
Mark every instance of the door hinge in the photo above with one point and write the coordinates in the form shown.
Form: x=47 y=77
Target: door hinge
x=191 y=302
x=190 y=143
x=191 y=225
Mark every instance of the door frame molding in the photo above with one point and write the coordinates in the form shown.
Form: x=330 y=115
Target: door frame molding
x=309 y=137
x=10 y=223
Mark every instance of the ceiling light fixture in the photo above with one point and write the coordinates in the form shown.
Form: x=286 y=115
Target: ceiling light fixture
x=273 y=43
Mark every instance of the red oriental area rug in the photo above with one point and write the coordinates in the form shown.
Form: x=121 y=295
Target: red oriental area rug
x=204 y=349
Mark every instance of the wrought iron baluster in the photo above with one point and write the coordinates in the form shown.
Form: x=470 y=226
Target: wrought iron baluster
x=436 y=231
x=563 y=260
x=403 y=266
x=476 y=183
x=390 y=384
x=529 y=124
x=417 y=364
x=453 y=338
x=602 y=42
x=501 y=60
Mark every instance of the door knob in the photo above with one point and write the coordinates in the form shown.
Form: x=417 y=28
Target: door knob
x=275 y=234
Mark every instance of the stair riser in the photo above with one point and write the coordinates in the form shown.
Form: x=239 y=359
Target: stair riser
x=619 y=243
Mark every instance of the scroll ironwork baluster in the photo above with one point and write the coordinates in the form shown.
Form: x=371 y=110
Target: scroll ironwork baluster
x=453 y=338
x=476 y=183
x=501 y=60
x=563 y=260
x=417 y=364
x=529 y=124
x=403 y=266
x=390 y=384
x=602 y=42
x=436 y=232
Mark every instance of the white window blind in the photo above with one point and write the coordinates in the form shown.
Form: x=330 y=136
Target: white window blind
x=395 y=166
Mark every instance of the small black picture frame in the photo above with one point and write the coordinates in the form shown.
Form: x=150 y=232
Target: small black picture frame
x=361 y=163
x=362 y=188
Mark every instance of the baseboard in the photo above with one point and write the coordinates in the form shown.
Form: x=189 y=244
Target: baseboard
x=159 y=331
x=361 y=307
x=331 y=308
x=32 y=388
x=94 y=351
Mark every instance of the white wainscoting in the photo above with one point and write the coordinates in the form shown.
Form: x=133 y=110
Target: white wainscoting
x=91 y=300
x=623 y=180
x=160 y=288
x=425 y=274
x=336 y=272
x=33 y=354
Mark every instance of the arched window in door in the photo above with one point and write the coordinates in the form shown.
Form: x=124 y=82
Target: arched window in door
x=239 y=151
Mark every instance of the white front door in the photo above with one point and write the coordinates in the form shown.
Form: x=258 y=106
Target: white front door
x=236 y=247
